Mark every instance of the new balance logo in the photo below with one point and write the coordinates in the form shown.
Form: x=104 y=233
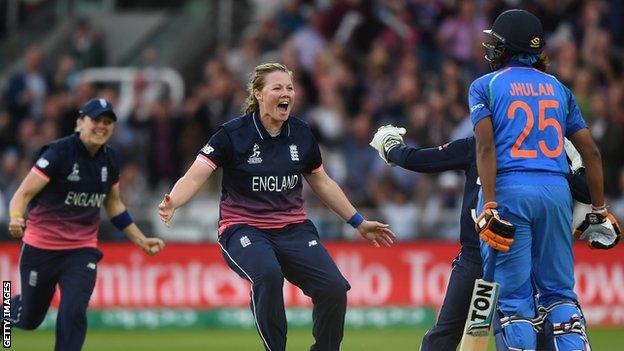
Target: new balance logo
x=207 y=149
x=245 y=241
x=312 y=243
x=42 y=163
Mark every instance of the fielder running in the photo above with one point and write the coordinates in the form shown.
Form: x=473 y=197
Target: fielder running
x=72 y=179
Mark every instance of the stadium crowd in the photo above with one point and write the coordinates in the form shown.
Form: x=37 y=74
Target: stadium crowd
x=358 y=64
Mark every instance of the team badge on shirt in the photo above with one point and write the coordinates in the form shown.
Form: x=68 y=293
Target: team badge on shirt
x=294 y=153
x=74 y=176
x=255 y=156
x=42 y=163
x=104 y=174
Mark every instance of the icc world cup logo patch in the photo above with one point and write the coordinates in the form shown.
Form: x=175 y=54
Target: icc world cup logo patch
x=255 y=156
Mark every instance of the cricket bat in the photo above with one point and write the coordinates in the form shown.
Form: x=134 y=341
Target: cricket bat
x=480 y=316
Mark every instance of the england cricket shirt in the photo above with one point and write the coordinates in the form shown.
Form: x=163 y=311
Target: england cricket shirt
x=262 y=174
x=66 y=213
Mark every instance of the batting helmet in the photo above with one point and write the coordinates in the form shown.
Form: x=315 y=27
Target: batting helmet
x=518 y=31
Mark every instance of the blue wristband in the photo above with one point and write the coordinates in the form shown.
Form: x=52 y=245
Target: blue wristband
x=122 y=220
x=356 y=220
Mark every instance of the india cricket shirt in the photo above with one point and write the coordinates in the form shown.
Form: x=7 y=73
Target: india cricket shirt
x=531 y=113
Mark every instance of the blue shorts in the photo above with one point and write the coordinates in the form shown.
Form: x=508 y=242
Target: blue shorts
x=540 y=207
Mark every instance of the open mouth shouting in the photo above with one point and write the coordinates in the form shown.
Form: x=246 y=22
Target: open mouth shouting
x=282 y=106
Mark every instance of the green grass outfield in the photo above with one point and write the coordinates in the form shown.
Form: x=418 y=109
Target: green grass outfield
x=395 y=339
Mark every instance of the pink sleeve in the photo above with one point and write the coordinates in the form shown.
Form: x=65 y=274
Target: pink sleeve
x=203 y=159
x=38 y=172
x=317 y=169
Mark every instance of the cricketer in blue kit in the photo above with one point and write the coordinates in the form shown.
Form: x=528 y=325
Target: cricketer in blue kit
x=457 y=155
x=520 y=116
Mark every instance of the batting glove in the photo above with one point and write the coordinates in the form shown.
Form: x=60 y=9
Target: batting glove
x=493 y=230
x=387 y=138
x=600 y=229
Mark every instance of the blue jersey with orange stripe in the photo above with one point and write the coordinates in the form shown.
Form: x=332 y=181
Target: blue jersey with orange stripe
x=531 y=112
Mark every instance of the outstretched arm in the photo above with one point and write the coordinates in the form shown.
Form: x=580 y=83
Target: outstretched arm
x=119 y=216
x=452 y=156
x=388 y=141
x=330 y=193
x=184 y=189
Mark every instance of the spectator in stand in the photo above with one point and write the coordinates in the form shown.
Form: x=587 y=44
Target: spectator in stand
x=608 y=135
x=163 y=140
x=459 y=33
x=87 y=45
x=28 y=89
x=309 y=40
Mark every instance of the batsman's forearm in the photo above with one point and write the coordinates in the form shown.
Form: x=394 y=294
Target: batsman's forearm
x=593 y=168
x=486 y=166
x=590 y=154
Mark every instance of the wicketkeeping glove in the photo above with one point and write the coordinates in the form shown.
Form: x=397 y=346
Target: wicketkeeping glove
x=601 y=230
x=493 y=230
x=387 y=138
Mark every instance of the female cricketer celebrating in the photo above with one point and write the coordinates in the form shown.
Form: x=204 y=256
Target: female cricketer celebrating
x=520 y=116
x=263 y=230
x=73 y=177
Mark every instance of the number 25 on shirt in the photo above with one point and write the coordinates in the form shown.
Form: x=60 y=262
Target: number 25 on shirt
x=543 y=123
